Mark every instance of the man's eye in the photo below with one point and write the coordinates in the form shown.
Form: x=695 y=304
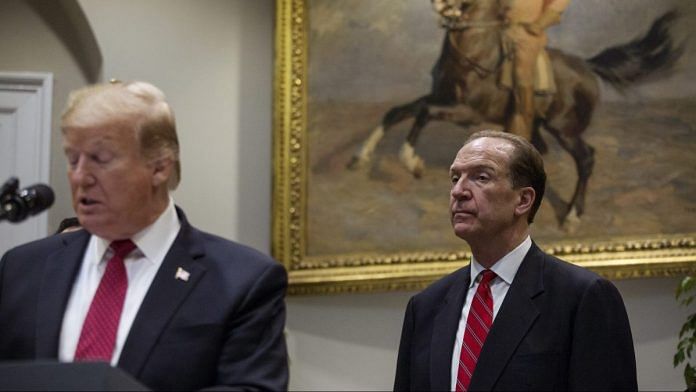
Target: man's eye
x=483 y=177
x=454 y=179
x=101 y=157
x=72 y=159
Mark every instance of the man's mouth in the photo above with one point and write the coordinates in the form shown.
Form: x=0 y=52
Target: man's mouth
x=85 y=201
x=461 y=215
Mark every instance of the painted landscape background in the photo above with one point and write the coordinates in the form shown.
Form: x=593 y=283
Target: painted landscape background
x=366 y=57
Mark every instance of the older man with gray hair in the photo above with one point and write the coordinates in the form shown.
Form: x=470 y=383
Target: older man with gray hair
x=515 y=318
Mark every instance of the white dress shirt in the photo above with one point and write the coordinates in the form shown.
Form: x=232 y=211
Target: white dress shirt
x=505 y=269
x=142 y=264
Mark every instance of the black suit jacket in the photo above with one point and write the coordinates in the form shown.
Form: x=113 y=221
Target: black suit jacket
x=560 y=327
x=223 y=327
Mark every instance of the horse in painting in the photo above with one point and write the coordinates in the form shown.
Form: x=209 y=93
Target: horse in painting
x=466 y=90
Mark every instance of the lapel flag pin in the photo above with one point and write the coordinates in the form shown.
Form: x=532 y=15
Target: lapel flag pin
x=182 y=274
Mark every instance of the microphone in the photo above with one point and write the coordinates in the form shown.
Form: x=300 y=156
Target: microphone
x=16 y=206
x=9 y=187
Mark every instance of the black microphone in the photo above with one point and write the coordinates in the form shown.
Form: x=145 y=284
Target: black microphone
x=17 y=206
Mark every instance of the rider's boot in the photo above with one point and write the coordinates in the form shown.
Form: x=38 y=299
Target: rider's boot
x=521 y=121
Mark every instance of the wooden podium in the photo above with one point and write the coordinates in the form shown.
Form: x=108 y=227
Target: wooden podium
x=56 y=376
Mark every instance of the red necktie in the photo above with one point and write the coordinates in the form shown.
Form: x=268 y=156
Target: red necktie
x=98 y=336
x=478 y=323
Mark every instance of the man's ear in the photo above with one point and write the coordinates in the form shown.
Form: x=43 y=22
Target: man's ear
x=527 y=195
x=163 y=168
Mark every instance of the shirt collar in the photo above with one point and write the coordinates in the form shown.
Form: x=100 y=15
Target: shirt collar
x=506 y=268
x=150 y=239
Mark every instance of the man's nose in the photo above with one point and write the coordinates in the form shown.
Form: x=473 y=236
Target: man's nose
x=81 y=173
x=460 y=191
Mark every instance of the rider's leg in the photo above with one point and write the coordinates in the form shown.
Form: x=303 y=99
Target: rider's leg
x=526 y=50
x=521 y=121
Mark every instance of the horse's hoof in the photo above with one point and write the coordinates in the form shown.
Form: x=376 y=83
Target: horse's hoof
x=355 y=163
x=571 y=222
x=418 y=169
x=413 y=162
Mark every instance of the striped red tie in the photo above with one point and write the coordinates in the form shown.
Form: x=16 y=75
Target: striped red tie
x=98 y=336
x=478 y=323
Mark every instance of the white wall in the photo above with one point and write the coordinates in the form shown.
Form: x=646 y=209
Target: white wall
x=213 y=58
x=28 y=44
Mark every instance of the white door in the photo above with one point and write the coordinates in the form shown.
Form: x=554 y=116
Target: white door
x=25 y=145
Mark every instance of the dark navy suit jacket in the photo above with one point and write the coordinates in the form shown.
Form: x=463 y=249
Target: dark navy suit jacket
x=221 y=328
x=560 y=327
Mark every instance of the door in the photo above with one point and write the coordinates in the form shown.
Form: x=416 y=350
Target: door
x=25 y=145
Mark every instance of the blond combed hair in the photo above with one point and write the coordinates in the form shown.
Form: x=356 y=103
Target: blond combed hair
x=139 y=104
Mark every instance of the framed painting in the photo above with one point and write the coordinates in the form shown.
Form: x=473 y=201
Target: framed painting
x=355 y=210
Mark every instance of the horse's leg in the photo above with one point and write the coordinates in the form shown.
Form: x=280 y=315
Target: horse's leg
x=584 y=164
x=394 y=116
x=463 y=115
x=538 y=140
x=407 y=154
x=583 y=155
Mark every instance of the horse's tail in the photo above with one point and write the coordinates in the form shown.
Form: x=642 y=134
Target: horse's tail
x=648 y=56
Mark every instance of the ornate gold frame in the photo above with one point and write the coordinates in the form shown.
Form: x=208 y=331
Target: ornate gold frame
x=618 y=258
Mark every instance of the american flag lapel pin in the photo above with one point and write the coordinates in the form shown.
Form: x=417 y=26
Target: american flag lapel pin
x=182 y=274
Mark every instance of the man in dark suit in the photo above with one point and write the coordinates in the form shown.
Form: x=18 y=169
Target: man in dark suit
x=138 y=286
x=515 y=318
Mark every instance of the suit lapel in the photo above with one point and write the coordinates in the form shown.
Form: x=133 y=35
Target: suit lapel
x=516 y=316
x=60 y=271
x=165 y=295
x=445 y=331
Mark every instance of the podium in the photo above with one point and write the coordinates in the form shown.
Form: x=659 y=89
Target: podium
x=56 y=376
